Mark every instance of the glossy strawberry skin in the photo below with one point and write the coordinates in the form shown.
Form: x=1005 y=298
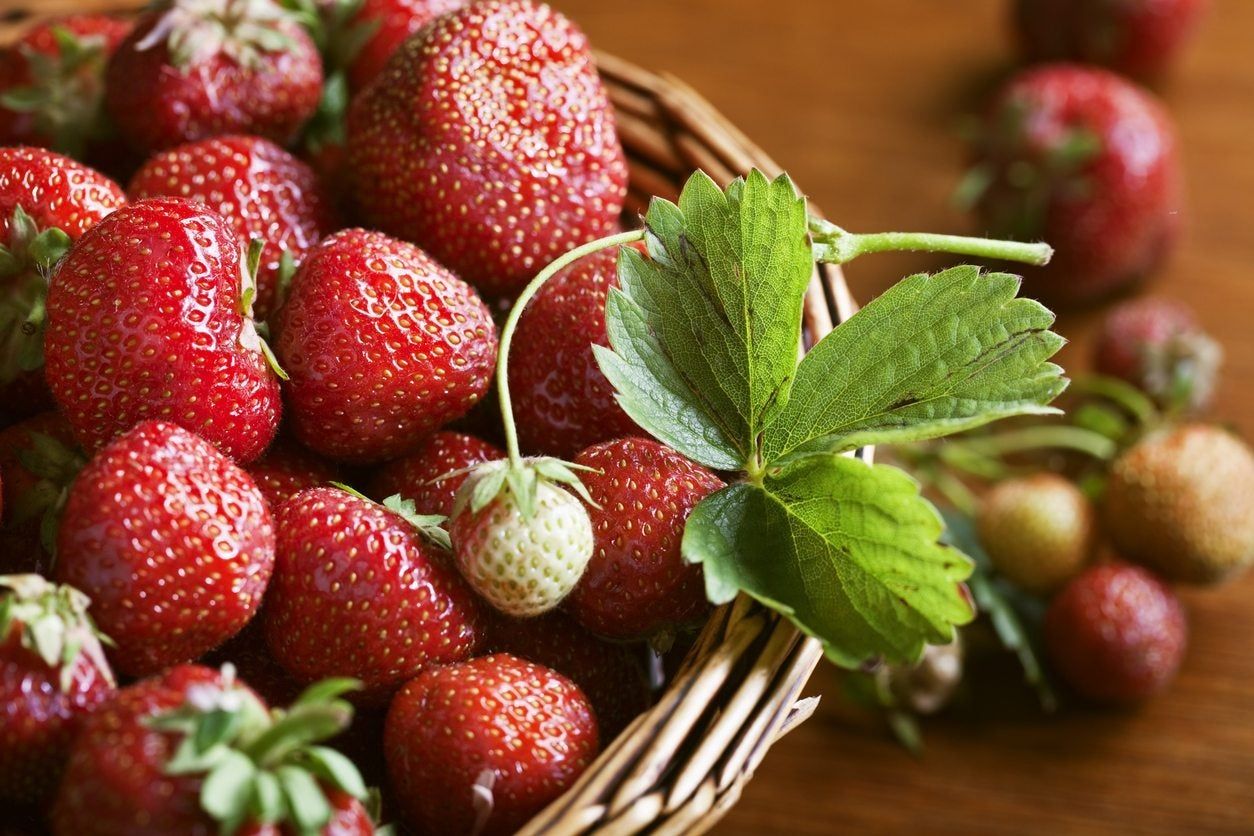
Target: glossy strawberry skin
x=562 y=401
x=56 y=192
x=263 y=191
x=25 y=492
x=1140 y=38
x=1116 y=633
x=359 y=592
x=610 y=675
x=395 y=22
x=1089 y=162
x=530 y=726
x=286 y=469
x=496 y=167
x=637 y=583
x=144 y=321
x=172 y=542
x=116 y=781
x=38 y=720
x=413 y=477
x=157 y=105
x=383 y=346
x=21 y=128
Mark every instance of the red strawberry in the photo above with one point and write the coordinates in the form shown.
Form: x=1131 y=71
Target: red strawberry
x=52 y=674
x=611 y=675
x=484 y=745
x=46 y=201
x=489 y=140
x=637 y=584
x=38 y=461
x=149 y=317
x=415 y=476
x=359 y=591
x=192 y=751
x=1116 y=633
x=172 y=542
x=1157 y=346
x=562 y=401
x=262 y=190
x=383 y=346
x=193 y=69
x=391 y=23
x=286 y=469
x=1088 y=162
x=1140 y=38
x=52 y=82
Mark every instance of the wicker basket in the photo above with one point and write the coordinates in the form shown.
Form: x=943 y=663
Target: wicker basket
x=679 y=767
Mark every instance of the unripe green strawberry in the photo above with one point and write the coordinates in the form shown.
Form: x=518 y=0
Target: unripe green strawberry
x=1182 y=503
x=520 y=540
x=1037 y=530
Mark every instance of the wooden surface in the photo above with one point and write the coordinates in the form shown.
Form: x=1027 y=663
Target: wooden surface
x=863 y=102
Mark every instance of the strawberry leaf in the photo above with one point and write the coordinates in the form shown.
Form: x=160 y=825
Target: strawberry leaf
x=705 y=331
x=847 y=551
x=934 y=355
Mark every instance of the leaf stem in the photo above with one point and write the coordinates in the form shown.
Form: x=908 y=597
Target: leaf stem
x=838 y=246
x=1123 y=394
x=1042 y=438
x=511 y=324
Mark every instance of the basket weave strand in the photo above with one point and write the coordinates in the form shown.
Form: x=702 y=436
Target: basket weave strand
x=680 y=766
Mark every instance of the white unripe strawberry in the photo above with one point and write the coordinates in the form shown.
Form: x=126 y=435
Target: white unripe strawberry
x=521 y=541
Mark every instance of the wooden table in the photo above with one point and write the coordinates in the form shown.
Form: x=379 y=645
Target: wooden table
x=863 y=103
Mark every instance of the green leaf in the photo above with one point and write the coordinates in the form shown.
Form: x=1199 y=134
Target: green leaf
x=337 y=770
x=846 y=551
x=705 y=332
x=326 y=690
x=305 y=800
x=266 y=803
x=228 y=788
x=934 y=355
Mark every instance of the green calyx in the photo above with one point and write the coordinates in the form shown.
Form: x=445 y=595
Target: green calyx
x=55 y=464
x=519 y=479
x=65 y=93
x=334 y=29
x=430 y=526
x=263 y=766
x=25 y=265
x=55 y=625
x=255 y=336
x=243 y=30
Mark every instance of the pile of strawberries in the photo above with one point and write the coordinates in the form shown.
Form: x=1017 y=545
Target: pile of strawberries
x=195 y=367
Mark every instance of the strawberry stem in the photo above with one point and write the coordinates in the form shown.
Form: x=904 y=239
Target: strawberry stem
x=838 y=246
x=511 y=324
x=1030 y=439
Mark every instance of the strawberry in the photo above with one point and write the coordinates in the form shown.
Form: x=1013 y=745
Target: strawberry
x=1081 y=158
x=262 y=190
x=192 y=69
x=1116 y=633
x=417 y=477
x=1181 y=501
x=172 y=542
x=1140 y=38
x=611 y=675
x=38 y=461
x=519 y=539
x=46 y=202
x=489 y=140
x=52 y=83
x=193 y=751
x=562 y=400
x=390 y=24
x=637 y=584
x=1156 y=345
x=484 y=745
x=53 y=673
x=383 y=346
x=286 y=469
x=360 y=591
x=248 y=654
x=150 y=317
x=1038 y=530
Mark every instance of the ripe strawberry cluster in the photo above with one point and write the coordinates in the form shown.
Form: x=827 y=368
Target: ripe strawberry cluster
x=191 y=367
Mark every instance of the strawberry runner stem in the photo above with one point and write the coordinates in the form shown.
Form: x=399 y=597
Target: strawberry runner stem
x=835 y=245
x=511 y=325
